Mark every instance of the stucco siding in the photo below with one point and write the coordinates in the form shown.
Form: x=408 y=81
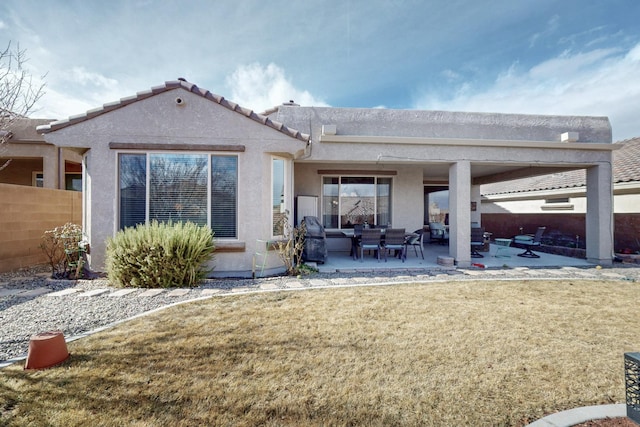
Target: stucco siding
x=197 y=121
x=445 y=124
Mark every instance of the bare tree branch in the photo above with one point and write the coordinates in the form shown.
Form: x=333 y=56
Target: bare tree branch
x=18 y=92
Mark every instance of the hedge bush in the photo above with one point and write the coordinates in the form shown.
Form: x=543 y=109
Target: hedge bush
x=160 y=255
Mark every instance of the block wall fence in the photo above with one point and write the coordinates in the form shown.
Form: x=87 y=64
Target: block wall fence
x=26 y=213
x=626 y=226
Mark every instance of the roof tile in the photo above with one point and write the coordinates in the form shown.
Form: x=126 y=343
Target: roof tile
x=626 y=168
x=171 y=85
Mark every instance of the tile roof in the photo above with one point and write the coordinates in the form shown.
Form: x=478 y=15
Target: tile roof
x=167 y=86
x=24 y=129
x=626 y=161
x=626 y=168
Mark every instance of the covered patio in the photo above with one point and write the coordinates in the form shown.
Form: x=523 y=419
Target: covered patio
x=374 y=167
x=341 y=261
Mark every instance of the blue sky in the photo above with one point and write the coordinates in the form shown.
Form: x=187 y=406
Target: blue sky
x=576 y=57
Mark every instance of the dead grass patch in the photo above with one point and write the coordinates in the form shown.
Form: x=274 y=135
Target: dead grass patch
x=498 y=353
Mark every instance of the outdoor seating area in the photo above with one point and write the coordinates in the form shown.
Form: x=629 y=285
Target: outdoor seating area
x=529 y=242
x=477 y=241
x=384 y=242
x=499 y=256
x=438 y=233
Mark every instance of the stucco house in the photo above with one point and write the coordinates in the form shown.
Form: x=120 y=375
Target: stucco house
x=35 y=162
x=558 y=201
x=177 y=151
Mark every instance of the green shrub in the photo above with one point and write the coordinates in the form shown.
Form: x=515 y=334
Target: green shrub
x=160 y=255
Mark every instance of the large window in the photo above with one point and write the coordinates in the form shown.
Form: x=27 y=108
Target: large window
x=179 y=187
x=348 y=200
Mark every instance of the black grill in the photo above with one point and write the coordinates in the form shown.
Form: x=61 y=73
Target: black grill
x=315 y=243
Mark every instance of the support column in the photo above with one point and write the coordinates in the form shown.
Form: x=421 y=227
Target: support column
x=459 y=213
x=50 y=176
x=599 y=219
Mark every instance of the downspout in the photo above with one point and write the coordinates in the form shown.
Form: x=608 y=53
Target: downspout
x=308 y=149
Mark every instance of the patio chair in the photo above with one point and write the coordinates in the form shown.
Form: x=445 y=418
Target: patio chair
x=416 y=240
x=530 y=242
x=394 y=241
x=477 y=241
x=355 y=239
x=370 y=240
x=438 y=233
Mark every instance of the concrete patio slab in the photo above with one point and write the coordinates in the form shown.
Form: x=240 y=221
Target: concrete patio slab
x=342 y=262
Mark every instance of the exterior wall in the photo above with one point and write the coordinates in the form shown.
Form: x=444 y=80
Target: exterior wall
x=420 y=145
x=20 y=171
x=196 y=121
x=24 y=219
x=27 y=158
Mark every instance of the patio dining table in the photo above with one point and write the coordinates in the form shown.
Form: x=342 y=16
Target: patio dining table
x=354 y=239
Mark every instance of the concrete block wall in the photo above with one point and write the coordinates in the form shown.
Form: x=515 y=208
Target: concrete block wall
x=27 y=212
x=626 y=226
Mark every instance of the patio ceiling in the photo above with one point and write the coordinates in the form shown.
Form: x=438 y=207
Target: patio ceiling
x=492 y=172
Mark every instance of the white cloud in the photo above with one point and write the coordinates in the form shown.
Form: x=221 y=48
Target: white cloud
x=86 y=78
x=260 y=88
x=552 y=26
x=601 y=82
x=56 y=105
x=76 y=91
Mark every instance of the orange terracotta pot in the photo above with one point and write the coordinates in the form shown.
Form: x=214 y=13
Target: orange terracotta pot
x=46 y=350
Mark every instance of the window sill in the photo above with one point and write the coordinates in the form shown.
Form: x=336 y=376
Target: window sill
x=230 y=246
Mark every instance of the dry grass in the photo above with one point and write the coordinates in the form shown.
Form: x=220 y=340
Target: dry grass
x=442 y=354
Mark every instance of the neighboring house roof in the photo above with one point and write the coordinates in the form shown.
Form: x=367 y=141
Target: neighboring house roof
x=172 y=85
x=626 y=168
x=24 y=129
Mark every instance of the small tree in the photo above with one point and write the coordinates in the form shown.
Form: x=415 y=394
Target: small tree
x=18 y=92
x=63 y=247
x=291 y=247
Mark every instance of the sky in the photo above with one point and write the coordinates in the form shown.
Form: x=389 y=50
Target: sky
x=566 y=57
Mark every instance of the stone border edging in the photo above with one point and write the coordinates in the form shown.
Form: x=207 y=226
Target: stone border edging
x=575 y=416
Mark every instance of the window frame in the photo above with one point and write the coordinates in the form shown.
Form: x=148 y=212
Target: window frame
x=148 y=153
x=285 y=206
x=376 y=188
